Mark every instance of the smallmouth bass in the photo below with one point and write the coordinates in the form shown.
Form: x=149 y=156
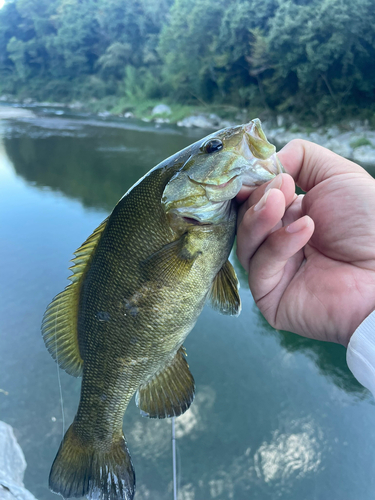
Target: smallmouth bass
x=139 y=283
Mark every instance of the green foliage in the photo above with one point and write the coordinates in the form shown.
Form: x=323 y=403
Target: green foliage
x=362 y=141
x=308 y=57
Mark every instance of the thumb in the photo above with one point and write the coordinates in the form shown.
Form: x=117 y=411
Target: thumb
x=310 y=164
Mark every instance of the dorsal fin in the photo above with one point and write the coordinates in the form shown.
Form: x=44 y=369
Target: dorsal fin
x=59 y=327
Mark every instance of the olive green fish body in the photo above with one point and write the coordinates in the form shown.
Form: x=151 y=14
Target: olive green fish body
x=133 y=318
x=138 y=286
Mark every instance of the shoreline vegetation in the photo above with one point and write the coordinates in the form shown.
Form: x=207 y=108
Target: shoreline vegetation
x=354 y=139
x=304 y=67
x=312 y=60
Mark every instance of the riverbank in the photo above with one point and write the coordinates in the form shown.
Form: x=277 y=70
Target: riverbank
x=353 y=139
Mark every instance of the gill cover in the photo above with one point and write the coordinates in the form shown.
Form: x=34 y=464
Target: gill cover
x=226 y=160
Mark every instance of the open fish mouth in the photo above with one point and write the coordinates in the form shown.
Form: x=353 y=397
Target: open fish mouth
x=212 y=185
x=202 y=190
x=196 y=222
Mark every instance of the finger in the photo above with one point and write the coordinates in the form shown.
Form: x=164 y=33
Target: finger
x=283 y=182
x=268 y=271
x=309 y=164
x=294 y=212
x=257 y=223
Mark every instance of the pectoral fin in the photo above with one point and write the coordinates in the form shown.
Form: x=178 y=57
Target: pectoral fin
x=170 y=392
x=224 y=294
x=173 y=261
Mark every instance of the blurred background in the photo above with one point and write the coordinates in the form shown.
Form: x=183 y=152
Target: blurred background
x=92 y=95
x=313 y=58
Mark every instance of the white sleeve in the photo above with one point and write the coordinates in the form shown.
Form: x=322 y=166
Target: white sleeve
x=360 y=355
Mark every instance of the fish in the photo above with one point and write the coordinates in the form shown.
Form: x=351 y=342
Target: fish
x=139 y=283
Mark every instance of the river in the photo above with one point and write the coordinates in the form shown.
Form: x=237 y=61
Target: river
x=275 y=416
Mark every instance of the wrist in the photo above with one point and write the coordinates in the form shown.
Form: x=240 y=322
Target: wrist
x=361 y=353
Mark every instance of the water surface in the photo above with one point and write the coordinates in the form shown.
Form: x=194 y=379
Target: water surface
x=275 y=415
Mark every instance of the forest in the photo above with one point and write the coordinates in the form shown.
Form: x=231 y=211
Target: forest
x=304 y=57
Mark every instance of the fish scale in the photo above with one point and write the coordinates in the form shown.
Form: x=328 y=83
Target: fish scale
x=139 y=283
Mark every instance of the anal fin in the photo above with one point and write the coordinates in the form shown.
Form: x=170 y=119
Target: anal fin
x=224 y=294
x=170 y=392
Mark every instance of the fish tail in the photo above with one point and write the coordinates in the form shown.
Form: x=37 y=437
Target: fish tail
x=83 y=470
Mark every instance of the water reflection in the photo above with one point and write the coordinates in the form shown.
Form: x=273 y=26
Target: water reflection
x=98 y=168
x=264 y=423
x=289 y=455
x=329 y=357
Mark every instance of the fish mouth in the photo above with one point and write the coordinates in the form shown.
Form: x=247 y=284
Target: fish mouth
x=196 y=222
x=215 y=186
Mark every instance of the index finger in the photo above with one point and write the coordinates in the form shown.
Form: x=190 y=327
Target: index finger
x=309 y=164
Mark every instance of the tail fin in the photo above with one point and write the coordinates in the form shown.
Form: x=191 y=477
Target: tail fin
x=79 y=471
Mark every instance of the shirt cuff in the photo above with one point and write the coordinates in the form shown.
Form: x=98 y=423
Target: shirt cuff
x=360 y=355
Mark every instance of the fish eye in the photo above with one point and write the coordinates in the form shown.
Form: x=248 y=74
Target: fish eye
x=213 y=145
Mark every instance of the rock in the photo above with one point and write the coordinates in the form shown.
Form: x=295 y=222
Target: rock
x=4 y=98
x=10 y=113
x=52 y=104
x=27 y=100
x=333 y=132
x=364 y=154
x=199 y=121
x=161 y=120
x=12 y=467
x=342 y=148
x=215 y=120
x=75 y=105
x=280 y=120
x=226 y=123
x=128 y=114
x=161 y=109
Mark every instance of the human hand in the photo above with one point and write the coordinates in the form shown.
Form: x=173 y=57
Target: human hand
x=311 y=258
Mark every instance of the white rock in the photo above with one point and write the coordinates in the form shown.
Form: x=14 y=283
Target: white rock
x=161 y=120
x=226 y=123
x=75 y=105
x=333 y=132
x=161 y=109
x=318 y=138
x=8 y=112
x=340 y=147
x=216 y=120
x=198 y=121
x=12 y=467
x=280 y=120
x=128 y=114
x=364 y=154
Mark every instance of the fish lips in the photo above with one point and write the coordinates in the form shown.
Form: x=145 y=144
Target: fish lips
x=250 y=175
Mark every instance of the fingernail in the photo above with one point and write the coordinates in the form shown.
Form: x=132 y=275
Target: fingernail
x=275 y=183
x=298 y=225
x=261 y=203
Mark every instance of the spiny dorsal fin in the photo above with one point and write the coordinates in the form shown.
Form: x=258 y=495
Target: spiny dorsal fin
x=59 y=327
x=224 y=294
x=170 y=392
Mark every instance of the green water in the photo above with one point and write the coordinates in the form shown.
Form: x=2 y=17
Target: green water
x=275 y=416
